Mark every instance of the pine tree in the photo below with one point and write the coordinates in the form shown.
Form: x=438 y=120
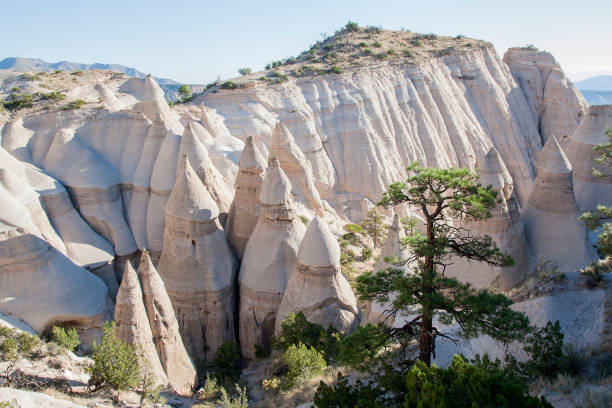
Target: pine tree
x=425 y=292
x=603 y=215
x=374 y=226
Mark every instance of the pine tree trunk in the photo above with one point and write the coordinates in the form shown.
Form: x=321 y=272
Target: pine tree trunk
x=425 y=343
x=425 y=335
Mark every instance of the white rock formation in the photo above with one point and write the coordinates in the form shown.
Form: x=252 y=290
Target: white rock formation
x=40 y=286
x=504 y=226
x=197 y=266
x=551 y=214
x=590 y=191
x=360 y=130
x=318 y=288
x=554 y=101
x=93 y=185
x=269 y=260
x=31 y=399
x=166 y=334
x=296 y=167
x=392 y=249
x=219 y=188
x=133 y=324
x=244 y=210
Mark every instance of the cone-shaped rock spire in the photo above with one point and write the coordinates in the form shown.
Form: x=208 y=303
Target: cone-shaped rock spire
x=392 y=249
x=504 y=226
x=551 y=212
x=166 y=334
x=318 y=288
x=590 y=190
x=189 y=198
x=294 y=163
x=219 y=188
x=263 y=279
x=133 y=324
x=197 y=266
x=244 y=211
x=494 y=172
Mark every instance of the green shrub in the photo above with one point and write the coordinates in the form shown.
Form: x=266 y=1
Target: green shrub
x=53 y=96
x=79 y=72
x=295 y=329
x=227 y=361
x=244 y=71
x=16 y=89
x=373 y=29
x=336 y=69
x=484 y=384
x=210 y=391
x=185 y=92
x=382 y=56
x=377 y=44
x=9 y=349
x=26 y=343
x=351 y=26
x=30 y=77
x=366 y=254
x=356 y=228
x=15 y=103
x=416 y=43
x=463 y=385
x=390 y=51
x=368 y=51
x=74 y=105
x=229 y=85
x=341 y=394
x=68 y=338
x=9 y=404
x=363 y=44
x=302 y=363
x=547 y=357
x=239 y=400
x=116 y=363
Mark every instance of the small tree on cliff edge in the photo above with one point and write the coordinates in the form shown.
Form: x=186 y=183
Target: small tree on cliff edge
x=426 y=292
x=603 y=216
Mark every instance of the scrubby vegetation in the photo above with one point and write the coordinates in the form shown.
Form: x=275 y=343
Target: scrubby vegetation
x=295 y=330
x=481 y=384
x=116 y=363
x=74 y=105
x=68 y=338
x=185 y=93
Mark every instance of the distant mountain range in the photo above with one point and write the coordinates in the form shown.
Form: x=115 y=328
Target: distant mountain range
x=35 y=64
x=596 y=83
x=596 y=90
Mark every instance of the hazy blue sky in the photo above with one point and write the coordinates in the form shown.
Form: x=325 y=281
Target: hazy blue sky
x=195 y=41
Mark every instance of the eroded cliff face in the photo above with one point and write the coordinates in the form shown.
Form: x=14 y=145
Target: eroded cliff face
x=554 y=101
x=360 y=130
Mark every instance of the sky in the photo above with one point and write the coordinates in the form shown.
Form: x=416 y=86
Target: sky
x=198 y=41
